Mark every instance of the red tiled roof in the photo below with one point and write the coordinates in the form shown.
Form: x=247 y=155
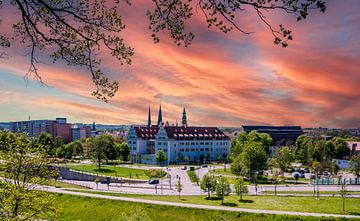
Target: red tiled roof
x=181 y=133
x=145 y=132
x=194 y=133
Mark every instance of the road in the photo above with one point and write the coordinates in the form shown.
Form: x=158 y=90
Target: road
x=196 y=206
x=176 y=174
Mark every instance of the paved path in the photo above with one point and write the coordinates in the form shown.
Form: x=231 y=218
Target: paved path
x=198 y=206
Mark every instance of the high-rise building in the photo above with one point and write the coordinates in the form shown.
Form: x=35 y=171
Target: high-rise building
x=56 y=128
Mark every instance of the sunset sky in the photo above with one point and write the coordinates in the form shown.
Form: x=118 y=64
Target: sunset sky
x=222 y=79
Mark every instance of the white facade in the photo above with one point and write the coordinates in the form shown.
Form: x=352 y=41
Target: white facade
x=193 y=146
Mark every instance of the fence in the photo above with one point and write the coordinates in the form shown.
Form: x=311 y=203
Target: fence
x=335 y=181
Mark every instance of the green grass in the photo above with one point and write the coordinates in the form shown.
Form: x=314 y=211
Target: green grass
x=222 y=171
x=88 y=209
x=331 y=205
x=124 y=172
x=192 y=175
x=309 y=192
x=59 y=184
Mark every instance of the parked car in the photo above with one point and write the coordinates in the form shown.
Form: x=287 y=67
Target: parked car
x=184 y=168
x=295 y=174
x=302 y=175
x=204 y=166
x=307 y=170
x=153 y=181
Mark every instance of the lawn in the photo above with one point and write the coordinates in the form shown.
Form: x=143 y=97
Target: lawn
x=85 y=208
x=309 y=192
x=192 y=175
x=59 y=184
x=294 y=203
x=124 y=172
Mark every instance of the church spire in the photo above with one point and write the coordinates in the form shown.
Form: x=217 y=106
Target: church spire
x=149 y=118
x=184 y=120
x=159 y=116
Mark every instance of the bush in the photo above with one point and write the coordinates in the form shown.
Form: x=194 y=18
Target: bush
x=192 y=175
x=155 y=173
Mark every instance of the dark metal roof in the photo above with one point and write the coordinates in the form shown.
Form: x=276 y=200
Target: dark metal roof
x=281 y=135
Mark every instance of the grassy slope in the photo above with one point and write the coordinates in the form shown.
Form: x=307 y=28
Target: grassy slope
x=85 y=208
x=112 y=171
x=331 y=205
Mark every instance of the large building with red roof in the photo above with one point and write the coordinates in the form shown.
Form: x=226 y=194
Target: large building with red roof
x=181 y=143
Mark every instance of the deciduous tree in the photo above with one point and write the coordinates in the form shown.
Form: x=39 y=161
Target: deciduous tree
x=222 y=188
x=208 y=184
x=240 y=187
x=23 y=166
x=160 y=157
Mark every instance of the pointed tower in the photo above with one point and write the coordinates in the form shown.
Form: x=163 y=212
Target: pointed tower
x=149 y=118
x=93 y=127
x=159 y=116
x=184 y=120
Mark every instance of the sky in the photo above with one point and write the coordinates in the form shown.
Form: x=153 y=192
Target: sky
x=221 y=79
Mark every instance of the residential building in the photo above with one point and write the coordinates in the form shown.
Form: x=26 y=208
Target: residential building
x=80 y=131
x=180 y=143
x=343 y=164
x=354 y=147
x=56 y=128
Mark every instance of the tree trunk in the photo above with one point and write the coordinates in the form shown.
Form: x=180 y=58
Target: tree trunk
x=208 y=192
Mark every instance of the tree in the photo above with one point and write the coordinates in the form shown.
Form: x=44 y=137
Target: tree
x=316 y=165
x=123 y=151
x=58 y=144
x=45 y=143
x=301 y=144
x=208 y=184
x=240 y=187
x=109 y=147
x=97 y=149
x=244 y=138
x=236 y=167
x=97 y=181
x=223 y=188
x=253 y=158
x=179 y=187
x=75 y=32
x=341 y=148
x=334 y=167
x=283 y=158
x=69 y=150
x=355 y=165
x=24 y=166
x=160 y=157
